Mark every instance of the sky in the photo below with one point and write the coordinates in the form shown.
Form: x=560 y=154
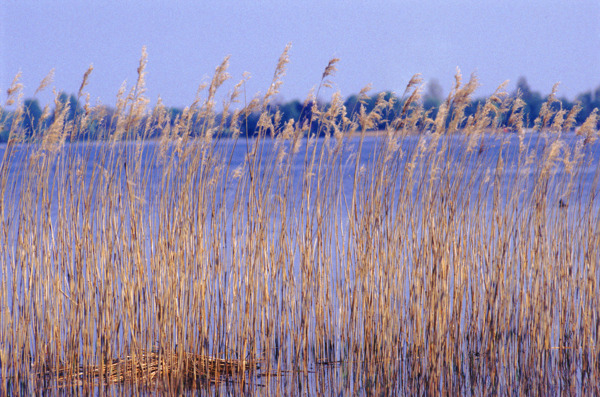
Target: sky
x=382 y=43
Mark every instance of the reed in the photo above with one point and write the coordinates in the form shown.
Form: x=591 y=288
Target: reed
x=440 y=257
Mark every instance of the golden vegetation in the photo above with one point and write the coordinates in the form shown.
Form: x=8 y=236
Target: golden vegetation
x=441 y=257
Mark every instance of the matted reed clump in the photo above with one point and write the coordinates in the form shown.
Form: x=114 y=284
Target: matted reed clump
x=150 y=369
x=437 y=255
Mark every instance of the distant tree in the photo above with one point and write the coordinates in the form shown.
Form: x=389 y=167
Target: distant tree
x=523 y=87
x=31 y=116
x=351 y=104
x=174 y=113
x=586 y=99
x=434 y=95
x=248 y=125
x=589 y=101
x=532 y=99
x=291 y=110
x=74 y=105
x=5 y=122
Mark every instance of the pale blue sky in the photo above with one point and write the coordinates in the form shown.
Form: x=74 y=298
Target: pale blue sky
x=379 y=42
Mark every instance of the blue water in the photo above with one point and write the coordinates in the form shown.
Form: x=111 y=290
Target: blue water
x=99 y=172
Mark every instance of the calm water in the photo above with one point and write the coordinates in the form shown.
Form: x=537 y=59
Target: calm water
x=489 y=147
x=482 y=165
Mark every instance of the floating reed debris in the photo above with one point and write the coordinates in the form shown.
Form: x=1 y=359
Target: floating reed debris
x=152 y=368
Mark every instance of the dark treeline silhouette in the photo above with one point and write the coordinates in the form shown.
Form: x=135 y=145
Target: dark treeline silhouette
x=35 y=120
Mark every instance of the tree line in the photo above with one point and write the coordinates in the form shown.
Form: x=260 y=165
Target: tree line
x=34 y=121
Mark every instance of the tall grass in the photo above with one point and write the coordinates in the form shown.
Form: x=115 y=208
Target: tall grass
x=440 y=257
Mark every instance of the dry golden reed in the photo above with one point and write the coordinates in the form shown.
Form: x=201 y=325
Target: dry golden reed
x=174 y=255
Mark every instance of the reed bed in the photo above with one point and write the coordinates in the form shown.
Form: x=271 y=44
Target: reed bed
x=440 y=257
